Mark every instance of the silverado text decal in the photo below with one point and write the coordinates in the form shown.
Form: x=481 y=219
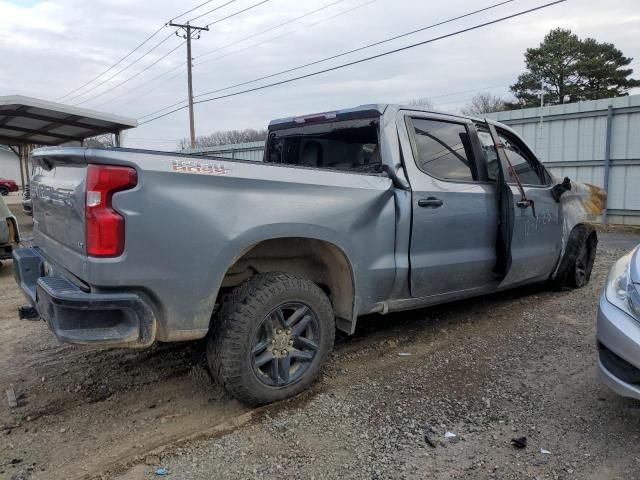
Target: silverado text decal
x=191 y=166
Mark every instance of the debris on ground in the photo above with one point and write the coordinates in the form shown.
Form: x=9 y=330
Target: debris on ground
x=520 y=442
x=450 y=435
x=11 y=398
x=161 y=472
x=429 y=441
x=544 y=451
x=404 y=354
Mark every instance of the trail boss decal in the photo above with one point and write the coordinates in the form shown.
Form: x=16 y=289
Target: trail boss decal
x=190 y=166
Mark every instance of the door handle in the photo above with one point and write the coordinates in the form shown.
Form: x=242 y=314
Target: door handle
x=430 y=202
x=526 y=203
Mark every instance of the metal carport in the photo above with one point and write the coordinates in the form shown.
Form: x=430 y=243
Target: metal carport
x=27 y=121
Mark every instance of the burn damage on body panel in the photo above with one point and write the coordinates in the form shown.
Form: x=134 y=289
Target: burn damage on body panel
x=581 y=204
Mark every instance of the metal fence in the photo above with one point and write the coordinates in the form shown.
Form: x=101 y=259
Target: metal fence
x=240 y=151
x=596 y=142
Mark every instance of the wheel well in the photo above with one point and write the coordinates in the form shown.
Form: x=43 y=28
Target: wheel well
x=321 y=262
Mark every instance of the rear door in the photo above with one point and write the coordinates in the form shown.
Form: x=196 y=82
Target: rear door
x=454 y=208
x=537 y=227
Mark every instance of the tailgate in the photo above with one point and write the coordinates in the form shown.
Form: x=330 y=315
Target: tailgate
x=57 y=195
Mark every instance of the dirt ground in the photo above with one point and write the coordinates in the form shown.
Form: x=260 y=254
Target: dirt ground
x=521 y=363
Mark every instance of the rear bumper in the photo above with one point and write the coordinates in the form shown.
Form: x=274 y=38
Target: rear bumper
x=618 y=337
x=78 y=316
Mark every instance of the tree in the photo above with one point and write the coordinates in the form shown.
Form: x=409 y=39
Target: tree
x=226 y=137
x=482 y=103
x=571 y=70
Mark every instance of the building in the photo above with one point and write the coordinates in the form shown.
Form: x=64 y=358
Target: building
x=9 y=165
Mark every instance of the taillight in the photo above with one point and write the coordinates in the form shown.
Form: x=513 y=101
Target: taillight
x=104 y=226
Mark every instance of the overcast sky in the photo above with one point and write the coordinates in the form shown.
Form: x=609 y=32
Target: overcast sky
x=52 y=47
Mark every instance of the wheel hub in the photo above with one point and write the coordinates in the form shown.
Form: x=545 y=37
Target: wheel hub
x=281 y=343
x=285 y=344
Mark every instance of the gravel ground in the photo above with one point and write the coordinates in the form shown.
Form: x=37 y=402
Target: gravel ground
x=487 y=370
x=521 y=363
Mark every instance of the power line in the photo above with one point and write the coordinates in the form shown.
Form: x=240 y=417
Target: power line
x=236 y=13
x=126 y=67
x=362 y=60
x=442 y=95
x=198 y=6
x=348 y=52
x=142 y=85
x=154 y=63
x=268 y=29
x=135 y=49
x=333 y=57
x=132 y=77
x=305 y=27
x=210 y=11
x=238 y=41
x=112 y=66
x=344 y=12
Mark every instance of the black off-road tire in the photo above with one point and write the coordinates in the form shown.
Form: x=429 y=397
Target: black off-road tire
x=4 y=191
x=230 y=340
x=577 y=262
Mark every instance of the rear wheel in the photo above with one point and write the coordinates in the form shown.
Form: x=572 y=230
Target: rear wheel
x=271 y=337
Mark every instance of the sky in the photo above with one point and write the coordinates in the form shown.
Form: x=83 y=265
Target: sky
x=50 y=48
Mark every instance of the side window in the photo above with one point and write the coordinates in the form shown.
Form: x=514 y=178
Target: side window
x=443 y=150
x=524 y=166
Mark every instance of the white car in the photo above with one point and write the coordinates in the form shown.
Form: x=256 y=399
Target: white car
x=618 y=331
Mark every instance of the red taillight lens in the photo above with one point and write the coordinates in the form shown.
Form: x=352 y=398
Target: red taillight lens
x=104 y=226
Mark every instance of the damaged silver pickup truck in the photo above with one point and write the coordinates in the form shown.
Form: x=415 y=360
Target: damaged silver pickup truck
x=379 y=208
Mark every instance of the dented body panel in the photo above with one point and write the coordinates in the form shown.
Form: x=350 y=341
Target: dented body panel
x=196 y=226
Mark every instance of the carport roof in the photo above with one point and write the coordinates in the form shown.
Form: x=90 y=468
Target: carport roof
x=25 y=120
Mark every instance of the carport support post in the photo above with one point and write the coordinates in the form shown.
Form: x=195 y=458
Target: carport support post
x=21 y=149
x=116 y=137
x=607 y=162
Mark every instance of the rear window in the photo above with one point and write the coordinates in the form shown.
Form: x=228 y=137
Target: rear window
x=347 y=145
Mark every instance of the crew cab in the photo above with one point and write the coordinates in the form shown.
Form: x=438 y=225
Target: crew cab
x=374 y=209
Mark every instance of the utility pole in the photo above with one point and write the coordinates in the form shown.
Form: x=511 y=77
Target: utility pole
x=188 y=31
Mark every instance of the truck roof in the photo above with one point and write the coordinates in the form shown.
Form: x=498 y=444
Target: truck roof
x=361 y=111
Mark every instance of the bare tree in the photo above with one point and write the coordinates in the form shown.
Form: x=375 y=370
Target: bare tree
x=424 y=102
x=226 y=137
x=482 y=103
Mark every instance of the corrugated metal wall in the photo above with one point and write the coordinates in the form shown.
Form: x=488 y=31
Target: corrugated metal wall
x=571 y=140
x=240 y=151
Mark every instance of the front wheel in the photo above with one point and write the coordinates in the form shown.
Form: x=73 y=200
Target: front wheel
x=577 y=262
x=270 y=338
x=4 y=191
